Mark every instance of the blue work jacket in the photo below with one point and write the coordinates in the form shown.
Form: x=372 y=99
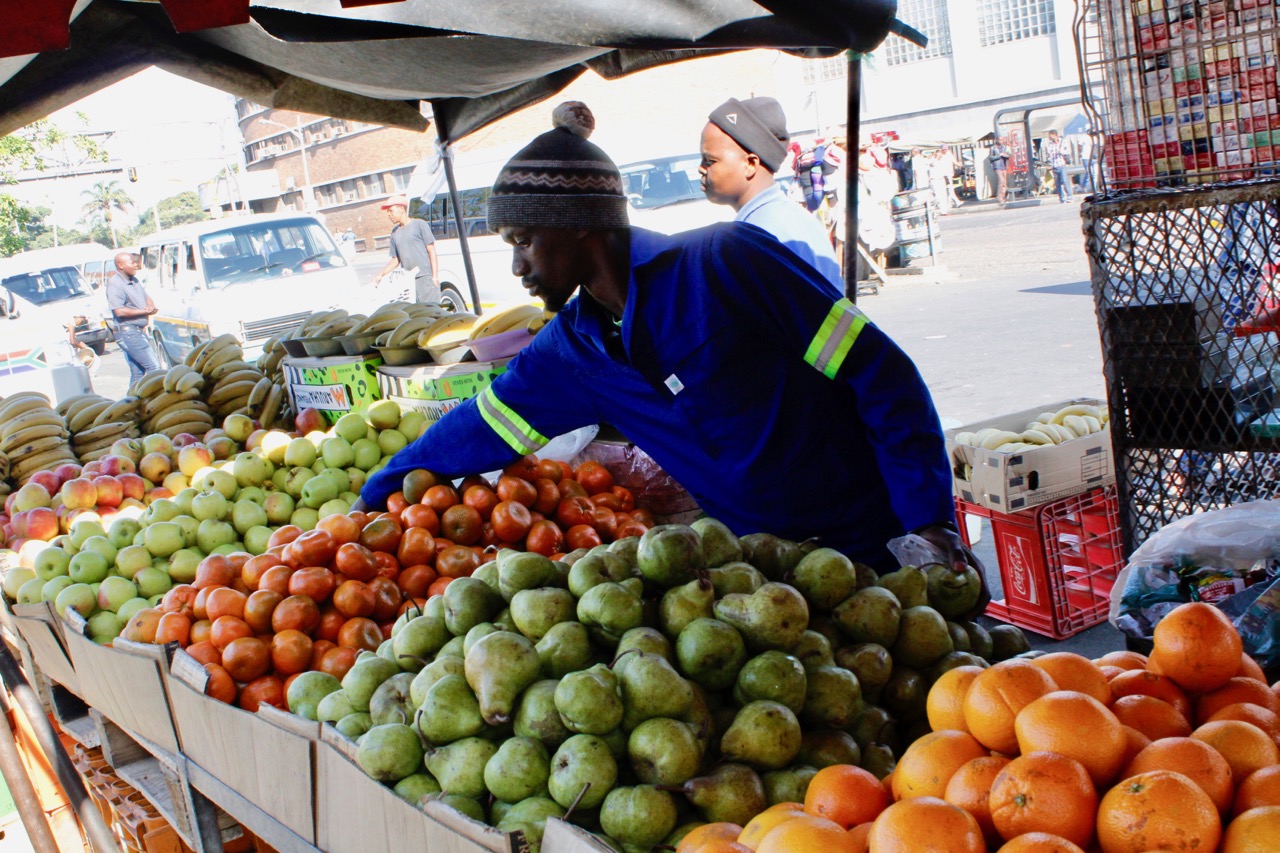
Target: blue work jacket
x=745 y=374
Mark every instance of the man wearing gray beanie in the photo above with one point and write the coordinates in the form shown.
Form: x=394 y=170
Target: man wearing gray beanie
x=743 y=144
x=737 y=367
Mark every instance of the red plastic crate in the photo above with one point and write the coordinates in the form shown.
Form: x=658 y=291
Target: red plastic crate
x=1057 y=562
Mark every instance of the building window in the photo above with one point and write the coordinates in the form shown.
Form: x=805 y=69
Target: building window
x=930 y=18
x=400 y=178
x=822 y=70
x=1000 y=21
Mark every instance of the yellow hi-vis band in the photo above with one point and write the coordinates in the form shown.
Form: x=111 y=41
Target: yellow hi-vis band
x=835 y=338
x=509 y=426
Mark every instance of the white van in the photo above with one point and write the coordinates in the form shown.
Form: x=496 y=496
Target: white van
x=47 y=284
x=255 y=277
x=36 y=352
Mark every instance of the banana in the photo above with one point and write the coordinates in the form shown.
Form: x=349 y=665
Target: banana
x=199 y=348
x=220 y=357
x=196 y=428
x=100 y=432
x=505 y=320
x=85 y=418
x=242 y=374
x=149 y=384
x=259 y=394
x=216 y=372
x=66 y=405
x=180 y=416
x=21 y=403
x=32 y=418
x=379 y=322
x=1094 y=424
x=231 y=406
x=1060 y=416
x=447 y=330
x=999 y=437
x=982 y=435
x=271 y=408
x=1044 y=418
x=79 y=405
x=407 y=332
x=30 y=434
x=1052 y=432
x=1035 y=437
x=193 y=381
x=124 y=409
x=212 y=348
x=537 y=323
x=24 y=468
x=165 y=401
x=965 y=438
x=1076 y=424
x=231 y=391
x=172 y=376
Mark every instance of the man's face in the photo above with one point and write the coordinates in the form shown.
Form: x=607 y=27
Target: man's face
x=395 y=213
x=127 y=264
x=725 y=167
x=547 y=260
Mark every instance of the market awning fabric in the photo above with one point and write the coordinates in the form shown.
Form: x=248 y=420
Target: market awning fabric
x=475 y=61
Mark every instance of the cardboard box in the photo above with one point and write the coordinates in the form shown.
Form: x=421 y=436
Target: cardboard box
x=563 y=837
x=434 y=389
x=266 y=766
x=124 y=683
x=40 y=627
x=1010 y=482
x=335 y=386
x=372 y=817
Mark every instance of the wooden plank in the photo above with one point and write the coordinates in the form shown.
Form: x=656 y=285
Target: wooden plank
x=35 y=623
x=249 y=815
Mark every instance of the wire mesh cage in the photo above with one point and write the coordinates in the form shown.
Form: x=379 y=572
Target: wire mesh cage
x=1184 y=284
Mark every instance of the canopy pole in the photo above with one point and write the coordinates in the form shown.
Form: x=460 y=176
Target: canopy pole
x=852 y=134
x=446 y=152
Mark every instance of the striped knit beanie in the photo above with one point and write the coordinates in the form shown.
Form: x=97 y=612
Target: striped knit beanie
x=559 y=180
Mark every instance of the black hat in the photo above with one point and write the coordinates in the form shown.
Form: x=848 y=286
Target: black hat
x=559 y=180
x=758 y=125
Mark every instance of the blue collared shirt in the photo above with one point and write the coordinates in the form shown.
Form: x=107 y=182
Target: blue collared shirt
x=794 y=227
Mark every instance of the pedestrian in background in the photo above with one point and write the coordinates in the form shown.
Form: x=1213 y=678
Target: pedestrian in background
x=132 y=307
x=1057 y=152
x=413 y=247
x=1086 y=160
x=999 y=159
x=941 y=171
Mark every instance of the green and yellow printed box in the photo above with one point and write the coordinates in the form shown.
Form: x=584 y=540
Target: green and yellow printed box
x=434 y=389
x=334 y=385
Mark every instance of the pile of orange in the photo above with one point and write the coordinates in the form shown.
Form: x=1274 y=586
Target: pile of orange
x=1123 y=754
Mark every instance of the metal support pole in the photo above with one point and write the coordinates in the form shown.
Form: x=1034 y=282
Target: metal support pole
x=442 y=133
x=853 y=130
x=95 y=828
x=30 y=809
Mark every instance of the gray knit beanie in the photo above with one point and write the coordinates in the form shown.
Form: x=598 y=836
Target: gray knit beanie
x=559 y=180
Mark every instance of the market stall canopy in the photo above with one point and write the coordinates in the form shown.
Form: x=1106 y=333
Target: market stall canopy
x=375 y=61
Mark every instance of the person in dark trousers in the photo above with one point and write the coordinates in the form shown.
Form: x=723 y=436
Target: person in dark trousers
x=413 y=247
x=738 y=367
x=132 y=308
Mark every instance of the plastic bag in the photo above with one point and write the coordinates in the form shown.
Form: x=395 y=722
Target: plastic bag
x=654 y=489
x=913 y=550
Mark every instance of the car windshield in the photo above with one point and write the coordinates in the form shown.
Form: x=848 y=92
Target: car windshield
x=658 y=183
x=262 y=251
x=48 y=286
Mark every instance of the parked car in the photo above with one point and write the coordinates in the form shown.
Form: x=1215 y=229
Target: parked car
x=48 y=283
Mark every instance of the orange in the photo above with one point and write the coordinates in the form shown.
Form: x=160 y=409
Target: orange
x=706 y=833
x=1144 y=683
x=861 y=835
x=722 y=845
x=1039 y=842
x=945 y=705
x=764 y=823
x=1123 y=660
x=846 y=795
x=1135 y=742
x=928 y=764
x=997 y=695
x=1260 y=788
x=1075 y=672
x=1110 y=672
x=1194 y=759
x=806 y=834
x=1158 y=810
x=1249 y=669
x=1075 y=725
x=1263 y=718
x=1196 y=645
x=1255 y=831
x=1044 y=792
x=1235 y=691
x=970 y=789
x=925 y=823
x=1154 y=717
x=1245 y=746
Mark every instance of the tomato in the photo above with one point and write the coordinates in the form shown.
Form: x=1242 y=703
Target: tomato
x=299 y=612
x=518 y=490
x=608 y=500
x=228 y=629
x=474 y=480
x=355 y=561
x=417 y=546
x=224 y=601
x=457 y=561
x=643 y=516
x=525 y=468
x=313 y=548
x=251 y=573
x=200 y=607
x=631 y=528
x=396 y=502
x=315 y=582
x=573 y=511
x=360 y=633
x=549 y=469
x=267 y=690
x=247 y=658
x=221 y=685
x=388 y=598
x=353 y=598
x=331 y=622
x=511 y=521
x=414 y=580
x=258 y=608
x=214 y=570
x=581 y=536
x=548 y=496
x=571 y=489
x=625 y=497
x=441 y=497
x=594 y=477
x=462 y=524
x=201 y=631
x=480 y=498
x=423 y=516
x=338 y=661
x=179 y=599
x=605 y=523
x=416 y=484
x=291 y=651
x=360 y=518
x=388 y=566
x=343 y=528
x=545 y=538
x=382 y=534
x=284 y=535
x=318 y=650
x=205 y=652
x=438 y=587
x=276 y=579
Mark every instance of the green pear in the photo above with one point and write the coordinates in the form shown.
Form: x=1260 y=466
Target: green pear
x=431 y=673
x=390 y=703
x=468 y=602
x=419 y=641
x=364 y=678
x=459 y=766
x=870 y=615
x=642 y=639
x=773 y=617
x=680 y=605
x=389 y=752
x=664 y=751
x=334 y=707
x=952 y=593
x=772 y=555
x=638 y=817
x=536 y=611
x=414 y=787
x=764 y=734
x=909 y=584
x=519 y=570
x=669 y=555
x=813 y=650
x=719 y=544
x=651 y=687
x=449 y=711
x=736 y=577
x=731 y=793
x=589 y=701
x=710 y=652
x=825 y=577
x=833 y=698
x=923 y=638
x=537 y=716
x=593 y=569
x=354 y=725
x=519 y=769
x=870 y=662
x=583 y=770
x=788 y=785
x=612 y=609
x=827 y=747
x=773 y=675
x=565 y=648
x=498 y=667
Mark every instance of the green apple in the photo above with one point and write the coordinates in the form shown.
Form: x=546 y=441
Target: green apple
x=102 y=545
x=298 y=477
x=104 y=626
x=300 y=454
x=163 y=538
x=305 y=517
x=189 y=527
x=280 y=478
x=257 y=539
x=131 y=607
x=213 y=534
x=122 y=531
x=162 y=509
x=247 y=514
x=351 y=427
x=238 y=427
x=30 y=593
x=235 y=547
x=220 y=481
x=210 y=505
x=152 y=581
x=250 y=469
x=337 y=452
x=132 y=559
x=356 y=479
x=52 y=563
x=367 y=454
x=78 y=597
x=184 y=498
x=337 y=506
x=15 y=578
x=391 y=442
x=252 y=493
x=82 y=530
x=51 y=588
x=384 y=415
x=183 y=564
x=88 y=567
x=317 y=491
x=279 y=507
x=115 y=591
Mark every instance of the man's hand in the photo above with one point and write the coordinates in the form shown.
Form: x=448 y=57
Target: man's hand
x=959 y=556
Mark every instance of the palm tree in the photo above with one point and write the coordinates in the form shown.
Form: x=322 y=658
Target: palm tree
x=104 y=199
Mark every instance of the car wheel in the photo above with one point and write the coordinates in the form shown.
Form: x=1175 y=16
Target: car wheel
x=162 y=350
x=451 y=299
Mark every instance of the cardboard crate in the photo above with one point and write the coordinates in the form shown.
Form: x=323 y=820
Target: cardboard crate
x=124 y=683
x=1009 y=482
x=251 y=767
x=40 y=627
x=335 y=385
x=434 y=389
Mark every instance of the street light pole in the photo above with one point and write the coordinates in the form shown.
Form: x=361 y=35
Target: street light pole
x=308 y=200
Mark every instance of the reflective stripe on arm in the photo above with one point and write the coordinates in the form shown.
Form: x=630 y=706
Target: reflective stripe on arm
x=510 y=427
x=839 y=330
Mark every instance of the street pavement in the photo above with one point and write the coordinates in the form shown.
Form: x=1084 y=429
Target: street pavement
x=1008 y=325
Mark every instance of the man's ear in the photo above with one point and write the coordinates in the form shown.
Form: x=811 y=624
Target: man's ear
x=753 y=163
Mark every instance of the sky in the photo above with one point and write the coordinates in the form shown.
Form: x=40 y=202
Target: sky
x=176 y=133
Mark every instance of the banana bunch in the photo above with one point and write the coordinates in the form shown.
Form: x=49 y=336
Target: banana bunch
x=1074 y=421
x=327 y=324
x=236 y=387
x=96 y=423
x=5 y=488
x=171 y=402
x=271 y=362
x=33 y=437
x=450 y=330
x=528 y=317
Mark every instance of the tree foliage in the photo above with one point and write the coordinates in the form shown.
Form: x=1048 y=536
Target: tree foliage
x=35 y=147
x=103 y=201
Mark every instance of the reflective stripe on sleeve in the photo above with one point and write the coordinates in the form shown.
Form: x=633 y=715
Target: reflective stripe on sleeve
x=835 y=338
x=509 y=426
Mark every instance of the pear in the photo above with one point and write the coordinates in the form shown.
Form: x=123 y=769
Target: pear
x=518 y=770
x=612 y=609
x=825 y=577
x=664 y=751
x=959 y=636
x=459 y=766
x=642 y=639
x=475 y=634
x=909 y=584
x=719 y=544
x=870 y=615
x=773 y=617
x=874 y=725
x=680 y=605
x=488 y=575
x=878 y=760
x=468 y=806
x=354 y=725
x=669 y=555
x=773 y=675
x=731 y=793
x=414 y=787
x=833 y=698
x=736 y=577
x=537 y=716
x=923 y=638
x=626 y=548
x=537 y=611
x=827 y=747
x=449 y=711
x=813 y=650
x=788 y=785
x=702 y=722
x=529 y=817
x=638 y=817
x=334 y=707
x=594 y=569
x=870 y=662
x=584 y=767
x=764 y=734
x=589 y=702
x=979 y=640
x=468 y=602
x=904 y=694
x=952 y=593
x=772 y=555
x=391 y=702
x=504 y=621
x=498 y=667
x=952 y=661
x=1007 y=641
x=457 y=647
x=565 y=648
x=710 y=652
x=519 y=570
x=364 y=678
x=389 y=752
x=651 y=687
x=431 y=673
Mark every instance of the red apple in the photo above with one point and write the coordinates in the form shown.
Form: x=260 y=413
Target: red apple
x=110 y=490
x=113 y=465
x=310 y=420
x=67 y=471
x=9 y=501
x=156 y=494
x=31 y=496
x=183 y=439
x=193 y=457
x=107 y=513
x=47 y=480
x=64 y=518
x=132 y=486
x=222 y=446
x=79 y=493
x=93 y=469
x=254 y=441
x=19 y=522
x=155 y=467
x=130 y=448
x=42 y=523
